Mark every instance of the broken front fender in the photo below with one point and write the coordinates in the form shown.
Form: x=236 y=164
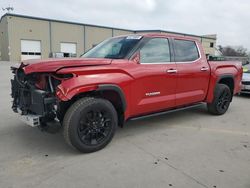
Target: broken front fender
x=66 y=93
x=86 y=83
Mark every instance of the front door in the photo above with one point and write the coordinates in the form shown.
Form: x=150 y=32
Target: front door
x=155 y=83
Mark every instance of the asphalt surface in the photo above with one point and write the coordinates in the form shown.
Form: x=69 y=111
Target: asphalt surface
x=186 y=149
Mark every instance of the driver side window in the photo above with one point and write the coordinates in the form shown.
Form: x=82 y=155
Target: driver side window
x=156 y=50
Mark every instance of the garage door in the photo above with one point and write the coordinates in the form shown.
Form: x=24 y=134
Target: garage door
x=30 y=49
x=68 y=49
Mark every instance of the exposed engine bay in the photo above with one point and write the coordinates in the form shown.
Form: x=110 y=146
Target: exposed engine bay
x=34 y=96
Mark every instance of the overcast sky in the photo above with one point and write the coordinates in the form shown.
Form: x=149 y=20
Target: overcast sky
x=229 y=19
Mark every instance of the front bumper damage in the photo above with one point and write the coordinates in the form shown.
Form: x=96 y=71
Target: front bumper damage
x=34 y=106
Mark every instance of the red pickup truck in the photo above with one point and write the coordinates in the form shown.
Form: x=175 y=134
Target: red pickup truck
x=122 y=78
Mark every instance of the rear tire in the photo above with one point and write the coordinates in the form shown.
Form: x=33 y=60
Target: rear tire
x=90 y=124
x=221 y=101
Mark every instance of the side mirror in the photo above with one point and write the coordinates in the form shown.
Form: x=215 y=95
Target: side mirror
x=136 y=57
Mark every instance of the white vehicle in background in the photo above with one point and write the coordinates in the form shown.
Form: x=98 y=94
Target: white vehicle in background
x=246 y=79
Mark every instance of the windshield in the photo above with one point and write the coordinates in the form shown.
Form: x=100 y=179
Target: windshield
x=114 y=48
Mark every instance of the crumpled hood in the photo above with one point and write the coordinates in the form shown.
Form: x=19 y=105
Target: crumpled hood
x=53 y=65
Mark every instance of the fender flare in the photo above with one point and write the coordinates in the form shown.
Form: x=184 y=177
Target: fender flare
x=224 y=76
x=116 y=88
x=228 y=76
x=210 y=94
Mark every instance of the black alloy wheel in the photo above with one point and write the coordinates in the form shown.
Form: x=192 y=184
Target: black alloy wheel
x=224 y=100
x=221 y=101
x=90 y=124
x=94 y=126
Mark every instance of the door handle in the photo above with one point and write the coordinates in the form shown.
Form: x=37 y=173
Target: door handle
x=171 y=71
x=204 y=69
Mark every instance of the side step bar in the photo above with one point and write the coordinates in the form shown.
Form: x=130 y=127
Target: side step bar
x=166 y=112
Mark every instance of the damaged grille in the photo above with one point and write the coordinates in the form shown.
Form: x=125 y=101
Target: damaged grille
x=28 y=99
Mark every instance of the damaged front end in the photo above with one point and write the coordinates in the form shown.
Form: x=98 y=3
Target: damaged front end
x=34 y=96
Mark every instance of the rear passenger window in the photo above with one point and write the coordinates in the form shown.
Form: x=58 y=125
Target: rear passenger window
x=156 y=50
x=185 y=51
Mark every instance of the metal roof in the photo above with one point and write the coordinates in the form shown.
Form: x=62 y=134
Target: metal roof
x=106 y=27
x=175 y=33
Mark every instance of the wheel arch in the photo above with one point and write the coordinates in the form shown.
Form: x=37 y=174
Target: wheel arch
x=110 y=92
x=114 y=88
x=116 y=96
x=228 y=80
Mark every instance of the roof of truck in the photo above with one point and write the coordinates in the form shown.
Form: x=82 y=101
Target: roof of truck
x=158 y=35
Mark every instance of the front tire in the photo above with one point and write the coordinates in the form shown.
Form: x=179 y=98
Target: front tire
x=90 y=124
x=221 y=101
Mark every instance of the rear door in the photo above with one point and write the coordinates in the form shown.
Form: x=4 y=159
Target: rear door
x=155 y=82
x=193 y=72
